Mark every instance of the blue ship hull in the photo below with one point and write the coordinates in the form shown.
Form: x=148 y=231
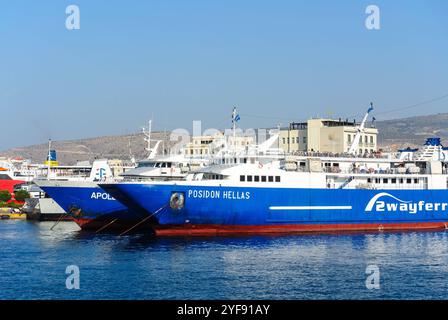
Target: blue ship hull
x=92 y=208
x=220 y=210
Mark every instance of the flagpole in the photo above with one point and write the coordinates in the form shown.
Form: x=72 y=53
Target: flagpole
x=49 y=159
x=234 y=129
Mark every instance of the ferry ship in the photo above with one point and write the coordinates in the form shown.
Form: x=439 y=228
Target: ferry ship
x=94 y=209
x=14 y=172
x=300 y=193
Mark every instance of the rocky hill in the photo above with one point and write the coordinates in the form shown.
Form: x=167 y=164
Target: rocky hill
x=393 y=134
x=73 y=151
x=412 y=131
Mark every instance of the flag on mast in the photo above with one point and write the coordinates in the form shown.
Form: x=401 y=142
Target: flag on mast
x=235 y=116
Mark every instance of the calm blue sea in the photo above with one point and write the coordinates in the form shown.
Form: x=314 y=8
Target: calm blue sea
x=33 y=261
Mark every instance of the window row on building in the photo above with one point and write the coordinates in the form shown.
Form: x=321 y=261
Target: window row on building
x=365 y=139
x=293 y=140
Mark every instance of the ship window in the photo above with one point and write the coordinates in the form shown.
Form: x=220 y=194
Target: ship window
x=377 y=180
x=263 y=178
x=271 y=179
x=277 y=178
x=401 y=180
x=394 y=180
x=385 y=180
x=408 y=180
x=369 y=180
x=249 y=178
x=169 y=164
x=242 y=178
x=415 y=180
x=257 y=178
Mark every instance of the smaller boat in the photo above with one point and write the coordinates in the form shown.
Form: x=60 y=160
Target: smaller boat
x=10 y=213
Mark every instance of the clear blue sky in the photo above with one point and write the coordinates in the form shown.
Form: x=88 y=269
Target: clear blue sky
x=178 y=61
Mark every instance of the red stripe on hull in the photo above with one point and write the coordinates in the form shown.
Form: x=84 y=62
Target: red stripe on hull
x=215 y=230
x=83 y=222
x=110 y=224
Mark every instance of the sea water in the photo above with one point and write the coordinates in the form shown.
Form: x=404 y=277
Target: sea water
x=35 y=263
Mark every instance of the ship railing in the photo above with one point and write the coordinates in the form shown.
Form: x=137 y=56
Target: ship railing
x=338 y=170
x=393 y=171
x=339 y=155
x=373 y=186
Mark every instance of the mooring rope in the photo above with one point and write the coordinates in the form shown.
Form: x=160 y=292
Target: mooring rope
x=59 y=220
x=107 y=225
x=147 y=218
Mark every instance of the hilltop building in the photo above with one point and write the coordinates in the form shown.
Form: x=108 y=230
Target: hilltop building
x=202 y=146
x=327 y=135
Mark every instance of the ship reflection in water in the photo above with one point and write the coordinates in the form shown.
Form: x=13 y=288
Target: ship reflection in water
x=34 y=259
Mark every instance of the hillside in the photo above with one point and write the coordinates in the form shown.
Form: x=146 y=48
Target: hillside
x=70 y=152
x=394 y=134
x=412 y=131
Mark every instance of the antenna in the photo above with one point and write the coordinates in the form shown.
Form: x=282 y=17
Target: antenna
x=131 y=157
x=147 y=135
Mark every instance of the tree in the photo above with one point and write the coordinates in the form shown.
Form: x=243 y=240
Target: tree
x=5 y=195
x=21 y=195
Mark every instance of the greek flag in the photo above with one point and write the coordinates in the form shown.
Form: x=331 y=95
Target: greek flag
x=371 y=108
x=235 y=116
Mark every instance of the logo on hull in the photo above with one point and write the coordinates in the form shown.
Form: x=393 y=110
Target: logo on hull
x=378 y=204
